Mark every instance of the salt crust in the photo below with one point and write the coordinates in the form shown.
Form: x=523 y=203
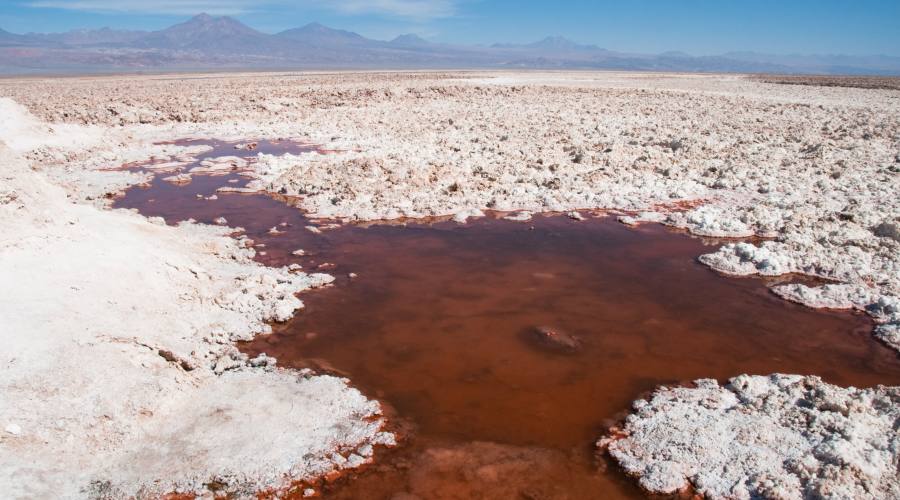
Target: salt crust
x=781 y=436
x=814 y=170
x=120 y=378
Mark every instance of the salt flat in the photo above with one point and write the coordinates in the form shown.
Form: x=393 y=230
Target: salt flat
x=811 y=170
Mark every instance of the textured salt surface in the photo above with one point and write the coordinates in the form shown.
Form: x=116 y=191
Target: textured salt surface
x=816 y=168
x=783 y=436
x=455 y=357
x=119 y=375
x=813 y=168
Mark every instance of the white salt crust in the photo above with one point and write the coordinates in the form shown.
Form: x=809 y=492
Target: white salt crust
x=119 y=375
x=812 y=169
x=781 y=436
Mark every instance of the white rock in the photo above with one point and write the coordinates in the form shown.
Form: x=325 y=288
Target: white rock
x=827 y=296
x=178 y=179
x=521 y=216
x=462 y=216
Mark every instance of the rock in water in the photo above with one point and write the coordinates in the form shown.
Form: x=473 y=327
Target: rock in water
x=552 y=339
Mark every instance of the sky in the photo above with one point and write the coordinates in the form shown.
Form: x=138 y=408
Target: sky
x=698 y=27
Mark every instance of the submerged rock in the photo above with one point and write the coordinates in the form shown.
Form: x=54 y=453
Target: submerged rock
x=551 y=339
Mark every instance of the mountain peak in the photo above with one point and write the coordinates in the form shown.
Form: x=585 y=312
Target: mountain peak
x=318 y=34
x=555 y=42
x=204 y=32
x=7 y=38
x=410 y=39
x=208 y=22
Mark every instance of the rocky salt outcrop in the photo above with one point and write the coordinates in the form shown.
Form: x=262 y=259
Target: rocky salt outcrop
x=781 y=436
x=178 y=179
x=827 y=296
x=219 y=166
x=869 y=279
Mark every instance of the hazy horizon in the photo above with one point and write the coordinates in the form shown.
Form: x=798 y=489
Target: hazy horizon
x=700 y=28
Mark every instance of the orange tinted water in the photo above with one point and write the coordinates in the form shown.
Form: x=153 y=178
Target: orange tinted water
x=438 y=324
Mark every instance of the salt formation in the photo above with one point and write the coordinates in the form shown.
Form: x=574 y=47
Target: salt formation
x=120 y=377
x=782 y=436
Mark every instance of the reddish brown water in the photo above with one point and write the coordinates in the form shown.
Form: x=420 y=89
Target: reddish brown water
x=437 y=322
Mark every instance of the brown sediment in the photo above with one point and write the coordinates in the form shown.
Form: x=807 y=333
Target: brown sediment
x=863 y=82
x=432 y=325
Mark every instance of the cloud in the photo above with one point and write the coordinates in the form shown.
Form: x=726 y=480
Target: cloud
x=419 y=9
x=412 y=9
x=176 y=7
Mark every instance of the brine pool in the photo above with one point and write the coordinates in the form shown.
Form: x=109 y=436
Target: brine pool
x=442 y=323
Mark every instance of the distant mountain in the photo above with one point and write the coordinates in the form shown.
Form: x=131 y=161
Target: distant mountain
x=675 y=54
x=550 y=44
x=90 y=38
x=558 y=43
x=317 y=35
x=410 y=40
x=8 y=39
x=207 y=42
x=207 y=33
x=824 y=63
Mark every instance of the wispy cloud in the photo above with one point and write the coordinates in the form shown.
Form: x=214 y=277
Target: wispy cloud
x=175 y=7
x=419 y=9
x=412 y=9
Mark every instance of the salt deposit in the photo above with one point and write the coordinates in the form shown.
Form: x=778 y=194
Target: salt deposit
x=783 y=436
x=813 y=170
x=119 y=375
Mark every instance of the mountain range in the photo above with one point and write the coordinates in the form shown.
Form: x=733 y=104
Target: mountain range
x=208 y=43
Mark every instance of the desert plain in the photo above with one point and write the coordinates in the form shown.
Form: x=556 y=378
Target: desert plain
x=121 y=377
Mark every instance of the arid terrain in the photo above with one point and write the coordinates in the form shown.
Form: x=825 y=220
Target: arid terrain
x=121 y=375
x=862 y=82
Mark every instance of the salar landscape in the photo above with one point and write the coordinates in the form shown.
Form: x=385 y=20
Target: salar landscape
x=284 y=262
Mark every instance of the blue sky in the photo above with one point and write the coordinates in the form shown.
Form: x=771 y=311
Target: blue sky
x=699 y=27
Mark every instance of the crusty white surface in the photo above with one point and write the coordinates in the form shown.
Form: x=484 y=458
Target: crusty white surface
x=119 y=376
x=782 y=436
x=813 y=169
